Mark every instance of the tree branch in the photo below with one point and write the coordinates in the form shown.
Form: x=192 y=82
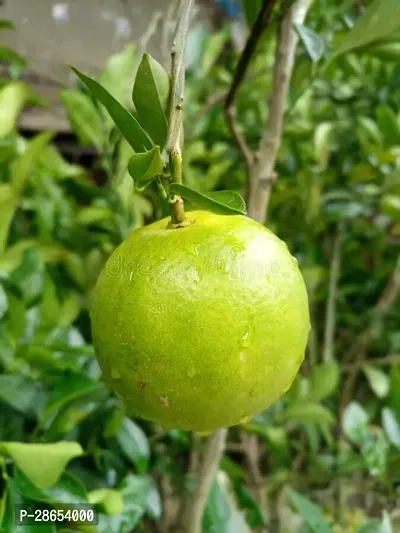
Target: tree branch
x=192 y=515
x=330 y=319
x=262 y=172
x=264 y=20
x=360 y=346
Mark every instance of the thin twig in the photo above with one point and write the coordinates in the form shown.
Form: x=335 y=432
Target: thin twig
x=192 y=515
x=360 y=347
x=150 y=31
x=330 y=319
x=173 y=144
x=262 y=172
x=178 y=76
x=388 y=360
x=264 y=20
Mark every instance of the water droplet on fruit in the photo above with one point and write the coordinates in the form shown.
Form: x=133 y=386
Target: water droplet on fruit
x=115 y=374
x=197 y=249
x=247 y=337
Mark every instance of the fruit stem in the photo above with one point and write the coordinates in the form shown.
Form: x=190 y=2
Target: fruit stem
x=173 y=144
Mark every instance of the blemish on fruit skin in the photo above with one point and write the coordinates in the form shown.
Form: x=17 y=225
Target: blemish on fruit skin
x=164 y=400
x=142 y=385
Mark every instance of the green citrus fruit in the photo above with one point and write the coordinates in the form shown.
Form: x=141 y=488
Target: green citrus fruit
x=200 y=327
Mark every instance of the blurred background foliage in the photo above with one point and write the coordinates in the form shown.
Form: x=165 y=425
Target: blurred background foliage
x=329 y=454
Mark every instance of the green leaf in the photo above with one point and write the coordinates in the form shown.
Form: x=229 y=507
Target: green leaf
x=29 y=398
x=394 y=394
x=67 y=490
x=378 y=21
x=213 y=49
x=151 y=97
x=111 y=499
x=324 y=380
x=126 y=123
x=6 y=25
x=355 y=422
x=8 y=205
x=135 y=492
x=305 y=412
x=12 y=100
x=42 y=464
x=313 y=43
x=390 y=206
x=145 y=167
x=251 y=9
x=29 y=159
x=221 y=514
x=220 y=202
x=10 y=56
x=377 y=379
x=84 y=118
x=323 y=142
x=388 y=125
x=310 y=513
x=134 y=444
x=391 y=426
x=117 y=75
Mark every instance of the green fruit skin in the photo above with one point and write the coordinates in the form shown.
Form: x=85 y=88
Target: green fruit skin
x=200 y=327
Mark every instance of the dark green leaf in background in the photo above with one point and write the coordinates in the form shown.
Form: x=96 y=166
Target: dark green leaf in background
x=311 y=514
x=84 y=118
x=134 y=444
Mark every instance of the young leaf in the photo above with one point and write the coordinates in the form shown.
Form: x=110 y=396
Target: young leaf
x=110 y=498
x=378 y=21
x=125 y=121
x=313 y=43
x=391 y=426
x=145 y=167
x=42 y=464
x=151 y=96
x=12 y=99
x=220 y=202
x=310 y=513
x=324 y=380
x=378 y=380
x=84 y=118
x=355 y=420
x=305 y=411
x=29 y=158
